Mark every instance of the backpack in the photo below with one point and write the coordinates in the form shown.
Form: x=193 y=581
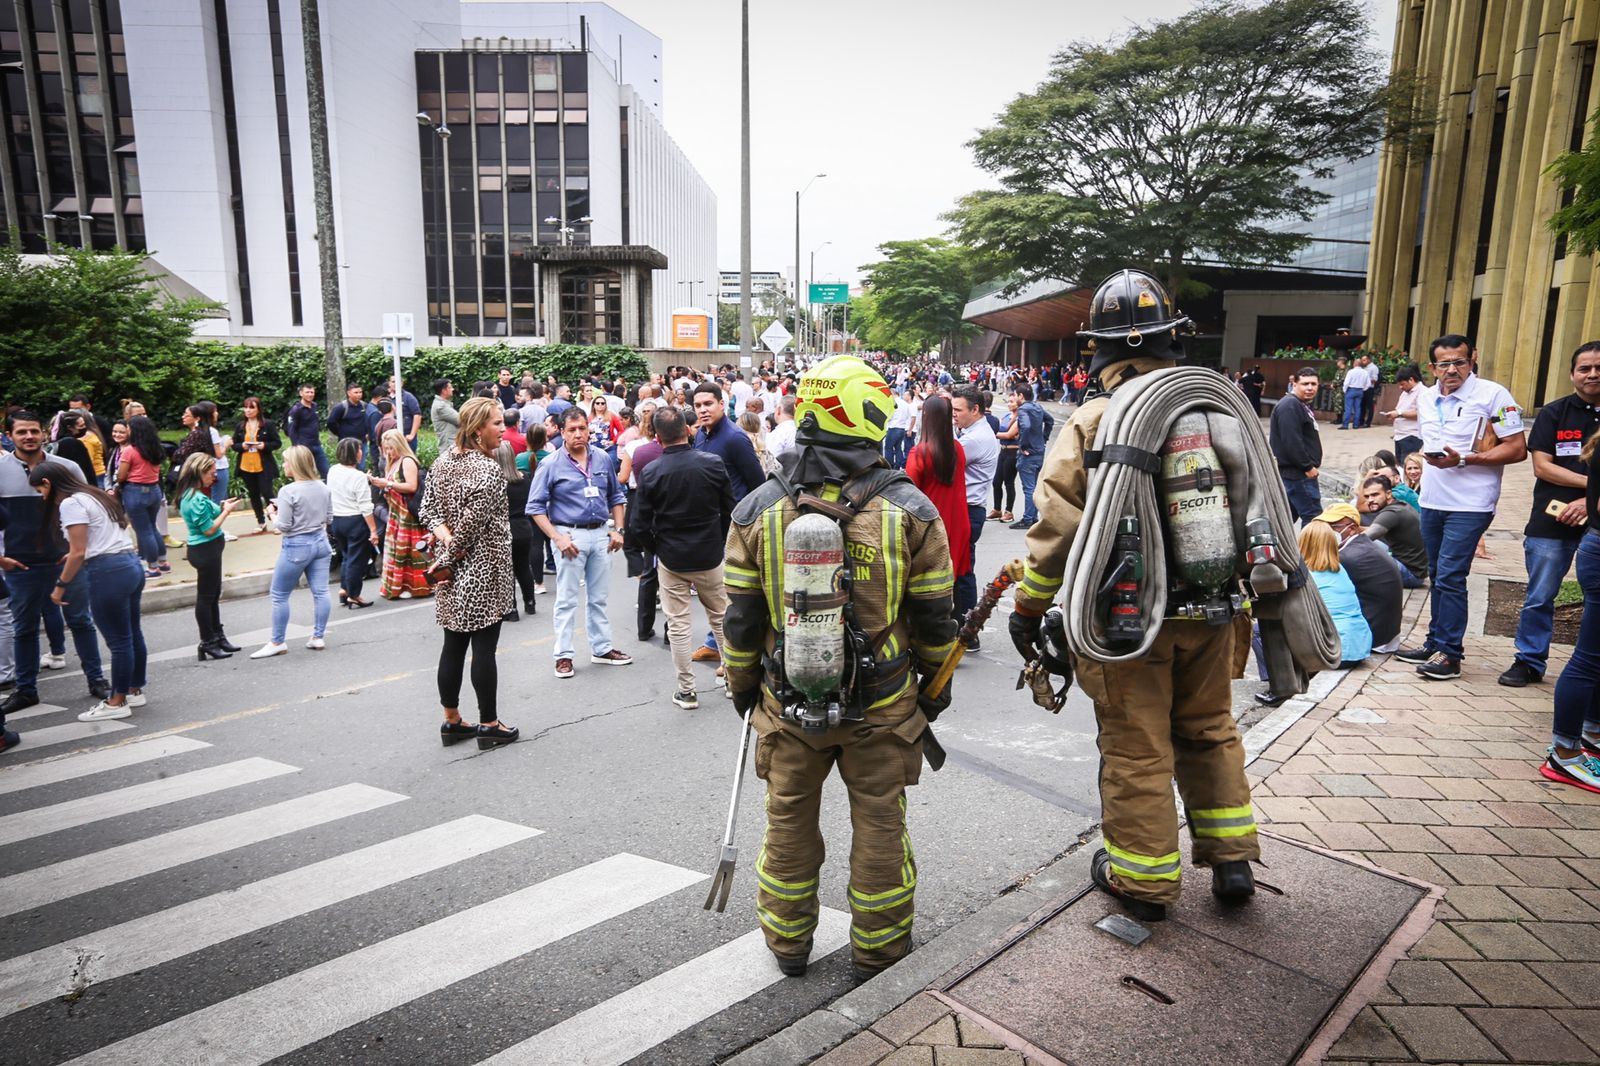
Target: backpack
x=414 y=501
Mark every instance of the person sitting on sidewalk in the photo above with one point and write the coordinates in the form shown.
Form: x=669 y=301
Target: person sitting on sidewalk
x=1375 y=575
x=1560 y=512
x=1573 y=757
x=1319 y=547
x=1397 y=527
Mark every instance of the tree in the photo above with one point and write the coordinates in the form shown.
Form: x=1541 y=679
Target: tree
x=919 y=291
x=1184 y=138
x=1578 y=175
x=93 y=322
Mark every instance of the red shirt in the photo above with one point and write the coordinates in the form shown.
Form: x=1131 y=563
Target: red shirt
x=950 y=501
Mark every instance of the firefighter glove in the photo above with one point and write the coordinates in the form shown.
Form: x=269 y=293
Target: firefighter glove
x=743 y=701
x=1025 y=634
x=933 y=706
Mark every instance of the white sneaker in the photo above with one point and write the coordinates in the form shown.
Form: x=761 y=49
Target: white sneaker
x=405 y=595
x=48 y=661
x=136 y=699
x=540 y=590
x=104 y=712
x=226 y=536
x=316 y=644
x=267 y=651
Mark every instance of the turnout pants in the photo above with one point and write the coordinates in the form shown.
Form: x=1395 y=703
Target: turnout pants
x=1169 y=714
x=877 y=766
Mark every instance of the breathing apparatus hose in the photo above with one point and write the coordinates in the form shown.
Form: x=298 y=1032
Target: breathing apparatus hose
x=1132 y=431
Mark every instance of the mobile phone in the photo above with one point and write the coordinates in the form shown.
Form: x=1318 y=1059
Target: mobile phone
x=1554 y=508
x=1434 y=455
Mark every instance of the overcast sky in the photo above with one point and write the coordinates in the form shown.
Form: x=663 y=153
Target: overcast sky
x=881 y=95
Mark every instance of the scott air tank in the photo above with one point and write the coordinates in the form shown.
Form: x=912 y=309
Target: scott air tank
x=1194 y=491
x=813 y=600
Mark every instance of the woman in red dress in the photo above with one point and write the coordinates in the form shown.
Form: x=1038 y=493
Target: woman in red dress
x=938 y=466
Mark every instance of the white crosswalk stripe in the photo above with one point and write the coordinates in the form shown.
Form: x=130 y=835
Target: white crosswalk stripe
x=50 y=735
x=289 y=1013
x=631 y=1023
x=62 y=880
x=25 y=825
x=36 y=711
x=166 y=935
x=20 y=776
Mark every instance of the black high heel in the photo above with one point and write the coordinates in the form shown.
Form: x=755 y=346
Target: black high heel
x=494 y=736
x=211 y=651
x=355 y=603
x=225 y=644
x=454 y=732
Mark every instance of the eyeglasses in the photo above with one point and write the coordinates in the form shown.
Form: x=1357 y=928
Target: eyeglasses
x=1452 y=364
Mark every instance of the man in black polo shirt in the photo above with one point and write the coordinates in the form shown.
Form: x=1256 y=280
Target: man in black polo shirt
x=1559 y=510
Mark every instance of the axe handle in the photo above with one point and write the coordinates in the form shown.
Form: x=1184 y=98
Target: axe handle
x=738 y=779
x=946 y=669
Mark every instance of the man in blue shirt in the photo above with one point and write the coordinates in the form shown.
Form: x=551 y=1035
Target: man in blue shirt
x=408 y=415
x=562 y=401
x=349 y=419
x=722 y=438
x=574 y=495
x=1033 y=435
x=303 y=426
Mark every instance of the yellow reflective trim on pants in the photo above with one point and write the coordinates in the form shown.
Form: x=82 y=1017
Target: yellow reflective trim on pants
x=1222 y=822
x=1144 y=867
x=882 y=901
x=782 y=889
x=873 y=939
x=798 y=929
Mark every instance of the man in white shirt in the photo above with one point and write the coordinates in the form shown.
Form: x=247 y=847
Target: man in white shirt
x=741 y=392
x=1356 y=380
x=894 y=441
x=781 y=438
x=1471 y=430
x=983 y=457
x=1407 y=433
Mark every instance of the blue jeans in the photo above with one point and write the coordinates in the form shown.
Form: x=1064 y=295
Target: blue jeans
x=1408 y=580
x=1305 y=498
x=355 y=549
x=1450 y=538
x=966 y=592
x=143 y=503
x=1352 y=408
x=591 y=567
x=219 y=487
x=1548 y=559
x=308 y=554
x=116 y=584
x=894 y=447
x=30 y=597
x=1577 y=708
x=1028 y=467
x=321 y=458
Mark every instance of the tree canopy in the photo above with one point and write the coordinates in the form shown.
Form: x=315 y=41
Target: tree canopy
x=92 y=322
x=917 y=294
x=1578 y=175
x=1183 y=139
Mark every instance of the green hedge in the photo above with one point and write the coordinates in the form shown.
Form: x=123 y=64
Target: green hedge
x=233 y=371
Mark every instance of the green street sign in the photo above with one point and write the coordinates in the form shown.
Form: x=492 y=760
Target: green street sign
x=830 y=294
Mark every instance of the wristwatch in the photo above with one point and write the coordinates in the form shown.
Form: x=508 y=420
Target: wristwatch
x=1462 y=461
x=63 y=584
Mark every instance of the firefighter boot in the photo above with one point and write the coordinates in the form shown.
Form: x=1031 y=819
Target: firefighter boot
x=1142 y=909
x=1233 y=882
x=792 y=965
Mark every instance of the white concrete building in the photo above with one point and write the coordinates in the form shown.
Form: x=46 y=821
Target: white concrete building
x=195 y=144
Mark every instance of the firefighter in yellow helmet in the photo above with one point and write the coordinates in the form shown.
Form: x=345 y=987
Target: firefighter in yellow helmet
x=834 y=670
x=1166 y=714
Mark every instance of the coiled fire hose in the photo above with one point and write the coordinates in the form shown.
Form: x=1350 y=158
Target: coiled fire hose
x=1297 y=632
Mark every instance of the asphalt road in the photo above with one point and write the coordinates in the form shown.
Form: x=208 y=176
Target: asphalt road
x=542 y=898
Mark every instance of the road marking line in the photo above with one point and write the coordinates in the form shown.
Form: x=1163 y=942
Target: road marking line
x=25 y=825
x=34 y=712
x=71 y=967
x=277 y=1018
x=20 y=776
x=65 y=734
x=631 y=1023
x=86 y=873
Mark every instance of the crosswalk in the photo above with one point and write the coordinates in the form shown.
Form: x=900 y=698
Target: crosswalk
x=287 y=1013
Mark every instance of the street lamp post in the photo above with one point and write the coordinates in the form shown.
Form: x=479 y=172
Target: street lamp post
x=797 y=304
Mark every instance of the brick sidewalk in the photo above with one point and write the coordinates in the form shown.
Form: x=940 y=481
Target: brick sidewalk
x=1445 y=788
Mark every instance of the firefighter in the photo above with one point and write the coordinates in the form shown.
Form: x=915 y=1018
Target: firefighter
x=1169 y=712
x=896 y=603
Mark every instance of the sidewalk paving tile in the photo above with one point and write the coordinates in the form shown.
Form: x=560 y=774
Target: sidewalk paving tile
x=1427 y=982
x=1530 y=1035
x=1472 y=840
x=1507 y=984
x=909 y=1019
x=1399 y=786
x=1288 y=809
x=1585 y=1023
x=1586 y=841
x=974 y=1056
x=1475 y=869
x=1525 y=815
x=1504 y=940
x=1347 y=836
x=1587 y=868
x=1347 y=809
x=942 y=1031
x=1411 y=864
x=1542 y=842
x=910 y=1056
x=863 y=1049
x=1367 y=1038
x=1553 y=904
x=1579 y=816
x=1348 y=785
x=1414 y=811
x=1462 y=788
x=1578 y=981
x=1573 y=941
x=1484 y=903
x=1402 y=837
x=974 y=1035
x=1440 y=1034
x=1463 y=812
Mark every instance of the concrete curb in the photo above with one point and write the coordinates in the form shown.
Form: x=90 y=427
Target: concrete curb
x=179 y=597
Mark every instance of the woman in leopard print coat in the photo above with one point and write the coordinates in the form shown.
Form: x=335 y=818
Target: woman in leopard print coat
x=464 y=507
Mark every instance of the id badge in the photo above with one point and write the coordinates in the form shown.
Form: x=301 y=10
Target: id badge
x=591 y=492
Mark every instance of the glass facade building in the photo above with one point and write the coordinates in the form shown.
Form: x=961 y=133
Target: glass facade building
x=69 y=172
x=1341 y=228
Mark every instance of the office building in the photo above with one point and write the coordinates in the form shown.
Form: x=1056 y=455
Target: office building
x=500 y=170
x=1460 y=242
x=762 y=284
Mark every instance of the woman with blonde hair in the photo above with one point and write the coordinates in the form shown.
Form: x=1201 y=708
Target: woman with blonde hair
x=1319 y=547
x=464 y=510
x=204 y=519
x=405 y=564
x=301 y=513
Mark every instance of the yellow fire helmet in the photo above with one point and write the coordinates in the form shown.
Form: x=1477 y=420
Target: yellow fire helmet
x=844 y=398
